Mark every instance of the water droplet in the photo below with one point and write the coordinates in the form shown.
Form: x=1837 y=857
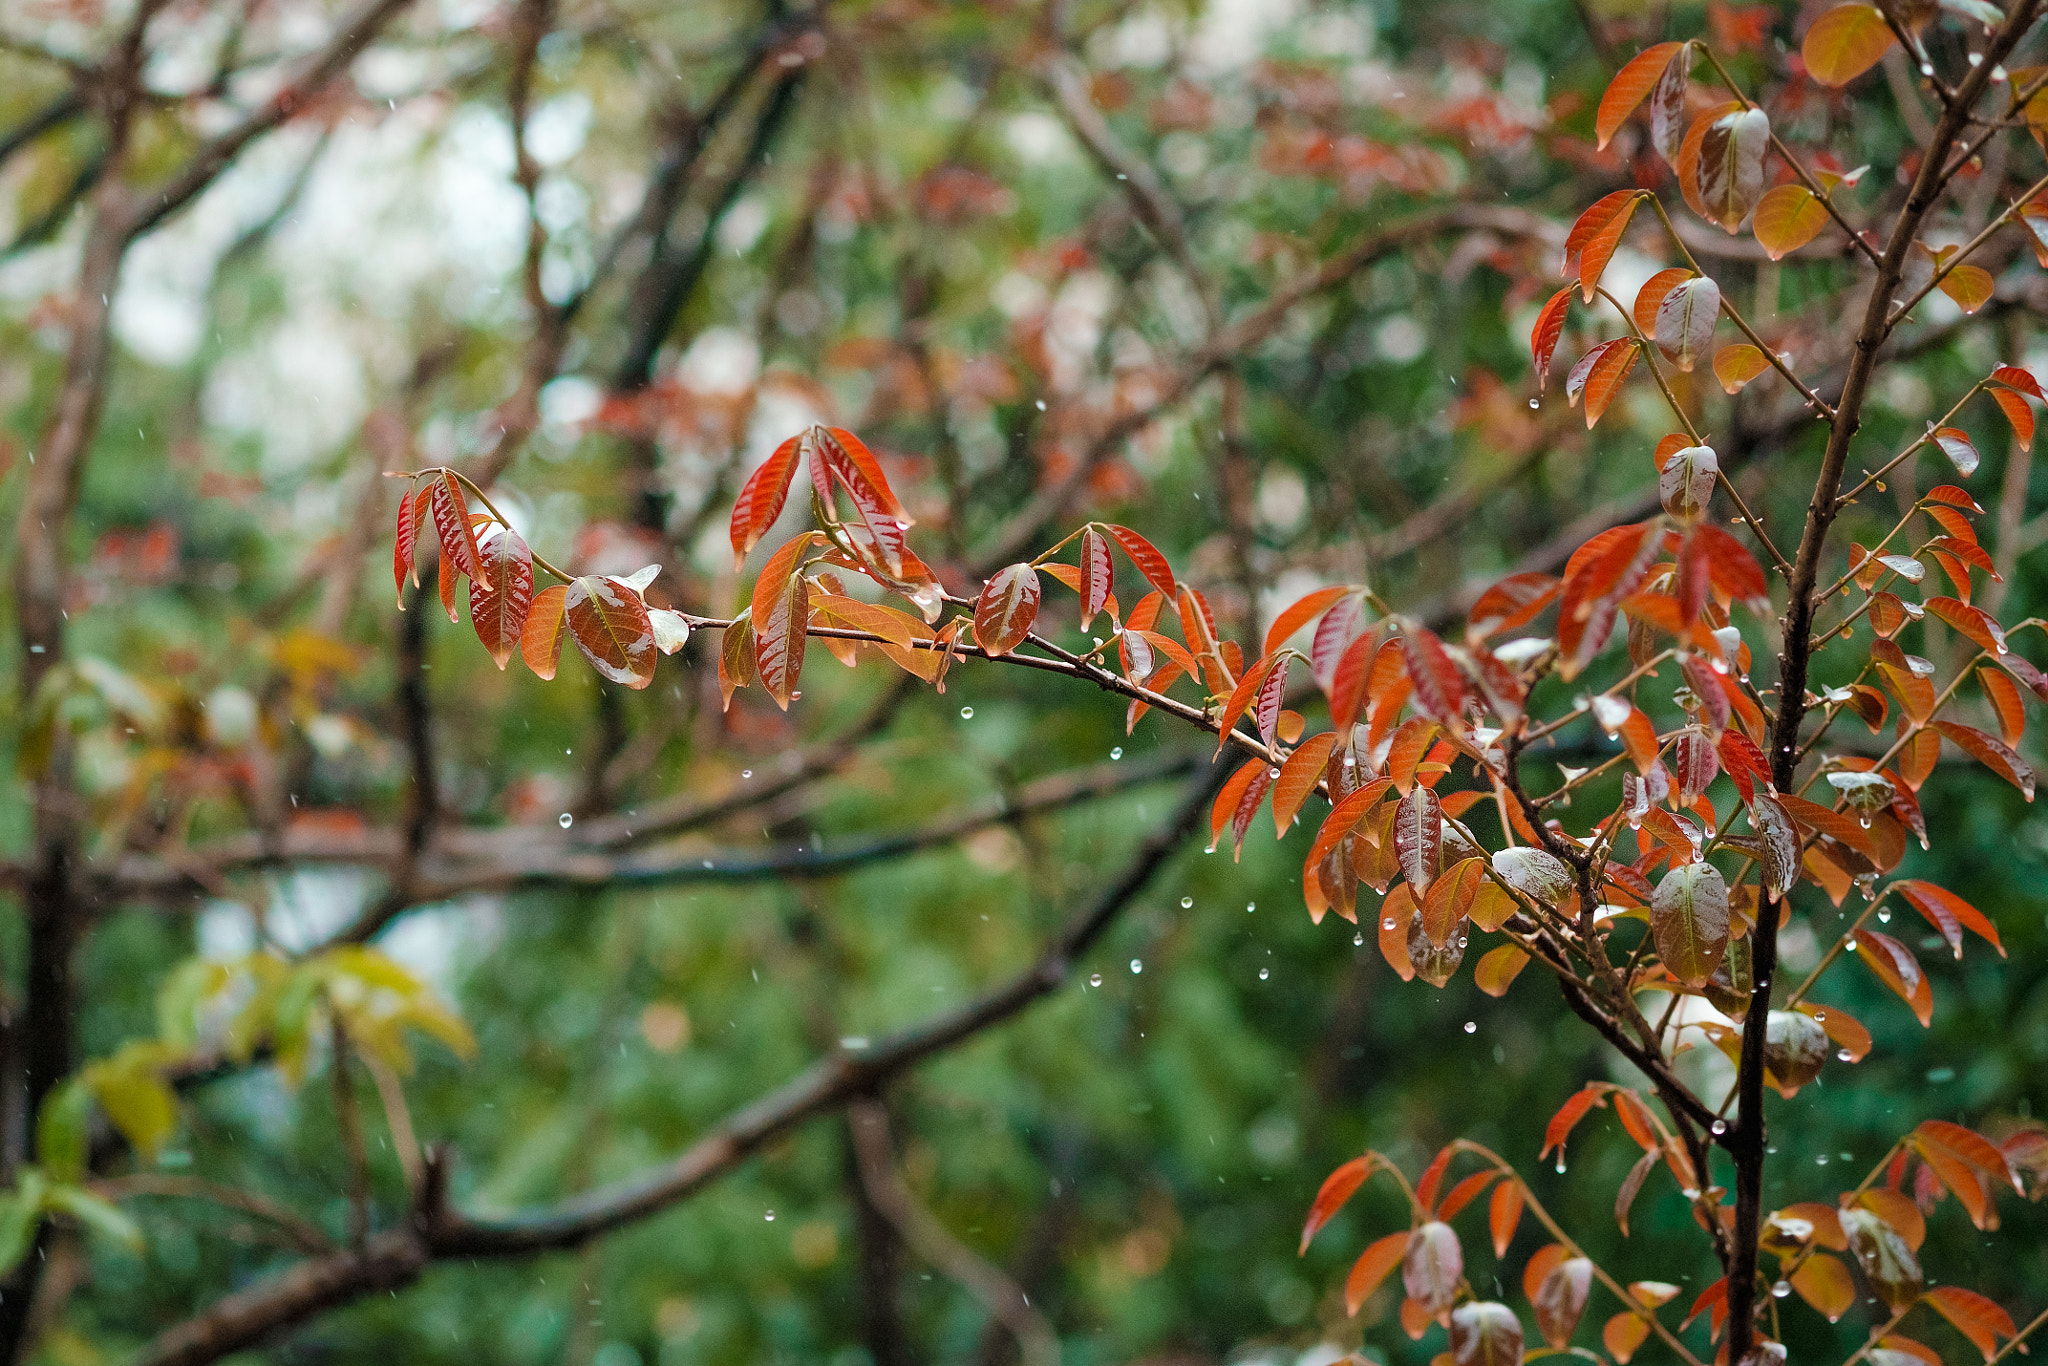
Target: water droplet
x=1884 y=917
x=1094 y=979
x=1137 y=966
x=1387 y=924
x=1845 y=1055
x=565 y=820
x=1821 y=1161
x=1864 y=820
x=1272 y=773
x=769 y=1216
x=1718 y=1127
x=1535 y=403
x=1358 y=940
x=1187 y=903
x=967 y=713
x=1116 y=754
x=1560 y=1164
x=1250 y=906
x=1781 y=1289
x=1927 y=68
x=1820 y=1017
x=1471 y=1026
x=1040 y=403
x=1850 y=946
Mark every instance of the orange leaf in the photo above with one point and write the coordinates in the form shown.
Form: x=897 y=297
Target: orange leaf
x=1787 y=218
x=1991 y=752
x=1298 y=778
x=1824 y=1282
x=1146 y=557
x=540 y=640
x=1844 y=43
x=1007 y=607
x=1504 y=1215
x=1499 y=967
x=1338 y=1187
x=1977 y=1318
x=1300 y=614
x=1737 y=365
x=1652 y=294
x=1380 y=1257
x=1635 y=80
x=1571 y=1112
x=1599 y=374
x=1970 y=286
x=1898 y=969
x=1949 y=914
x=1543 y=337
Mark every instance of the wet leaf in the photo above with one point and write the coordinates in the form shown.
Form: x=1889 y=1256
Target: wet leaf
x=1504 y=1215
x=1337 y=1188
x=1824 y=1282
x=1689 y=920
x=1561 y=1300
x=1735 y=366
x=1098 y=575
x=1419 y=836
x=1731 y=166
x=1888 y=1264
x=1432 y=1267
x=1898 y=969
x=1787 y=218
x=761 y=498
x=1637 y=78
x=540 y=639
x=1844 y=43
x=499 y=611
x=1485 y=1334
x=1006 y=609
x=1686 y=483
x=1685 y=321
x=1544 y=336
x=609 y=624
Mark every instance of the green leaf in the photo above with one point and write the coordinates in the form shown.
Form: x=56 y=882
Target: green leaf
x=61 y=1129
x=96 y=1214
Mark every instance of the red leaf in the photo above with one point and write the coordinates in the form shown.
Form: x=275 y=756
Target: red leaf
x=1570 y=1113
x=1146 y=557
x=609 y=623
x=499 y=611
x=1439 y=684
x=452 y=526
x=1599 y=374
x=1337 y=1188
x=1298 y=778
x=1974 y=622
x=1504 y=1215
x=761 y=499
x=2004 y=696
x=1464 y=1193
x=1544 y=336
x=1300 y=614
x=405 y=548
x=1977 y=1318
x=1007 y=607
x=780 y=615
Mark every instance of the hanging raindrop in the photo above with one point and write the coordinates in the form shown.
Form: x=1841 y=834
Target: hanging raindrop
x=1845 y=1055
x=1884 y=917
x=769 y=1216
x=746 y=773
x=1781 y=1289
x=1560 y=1163
x=1264 y=973
x=1358 y=940
x=1250 y=906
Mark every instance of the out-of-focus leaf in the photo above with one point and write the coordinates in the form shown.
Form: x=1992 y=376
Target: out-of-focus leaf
x=1485 y=1334
x=1844 y=43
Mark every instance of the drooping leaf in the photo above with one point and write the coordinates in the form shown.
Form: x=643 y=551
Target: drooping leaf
x=1991 y=752
x=1624 y=1334
x=1419 y=835
x=1504 y=1215
x=1599 y=374
x=1337 y=1188
x=1948 y=913
x=1970 y=286
x=1147 y=558
x=1888 y=1263
x=452 y=526
x=1098 y=575
x=1561 y=1300
x=1898 y=969
x=1654 y=291
x=1977 y=1317
x=540 y=639
x=1300 y=613
x=1544 y=336
x=1515 y=601
x=499 y=610
x=609 y=624
x=405 y=546
x=1779 y=843
x=1824 y=1282
x=1689 y=920
x=1686 y=483
x=1735 y=366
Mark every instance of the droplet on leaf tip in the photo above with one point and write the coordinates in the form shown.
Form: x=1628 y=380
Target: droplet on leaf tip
x=1358 y=940
x=1845 y=1055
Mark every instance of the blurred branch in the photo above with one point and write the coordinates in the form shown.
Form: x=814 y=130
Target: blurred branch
x=868 y=1122
x=302 y=1235
x=395 y=1258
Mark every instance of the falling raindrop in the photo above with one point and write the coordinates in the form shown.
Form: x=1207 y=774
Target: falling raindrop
x=770 y=1216
x=1116 y=754
x=1094 y=979
x=1040 y=403
x=1560 y=1163
x=1535 y=403
x=1187 y=903
x=1821 y=1160
x=1250 y=906
x=1136 y=967
x=565 y=820
x=967 y=713
x=1471 y=1026
x=746 y=773
x=1718 y=1127
x=1264 y=973
x=1781 y=1289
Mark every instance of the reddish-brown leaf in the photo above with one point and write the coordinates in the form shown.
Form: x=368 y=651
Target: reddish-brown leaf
x=1730 y=173
x=499 y=610
x=405 y=548
x=452 y=526
x=1006 y=609
x=1991 y=752
x=1299 y=614
x=2018 y=414
x=1599 y=374
x=1433 y=1266
x=609 y=623
x=1949 y=914
x=1561 y=1299
x=1590 y=223
x=1439 y=683
x=1298 y=778
x=2004 y=696
x=1571 y=1112
x=1514 y=601
x=1898 y=969
x=1652 y=294
x=1098 y=575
